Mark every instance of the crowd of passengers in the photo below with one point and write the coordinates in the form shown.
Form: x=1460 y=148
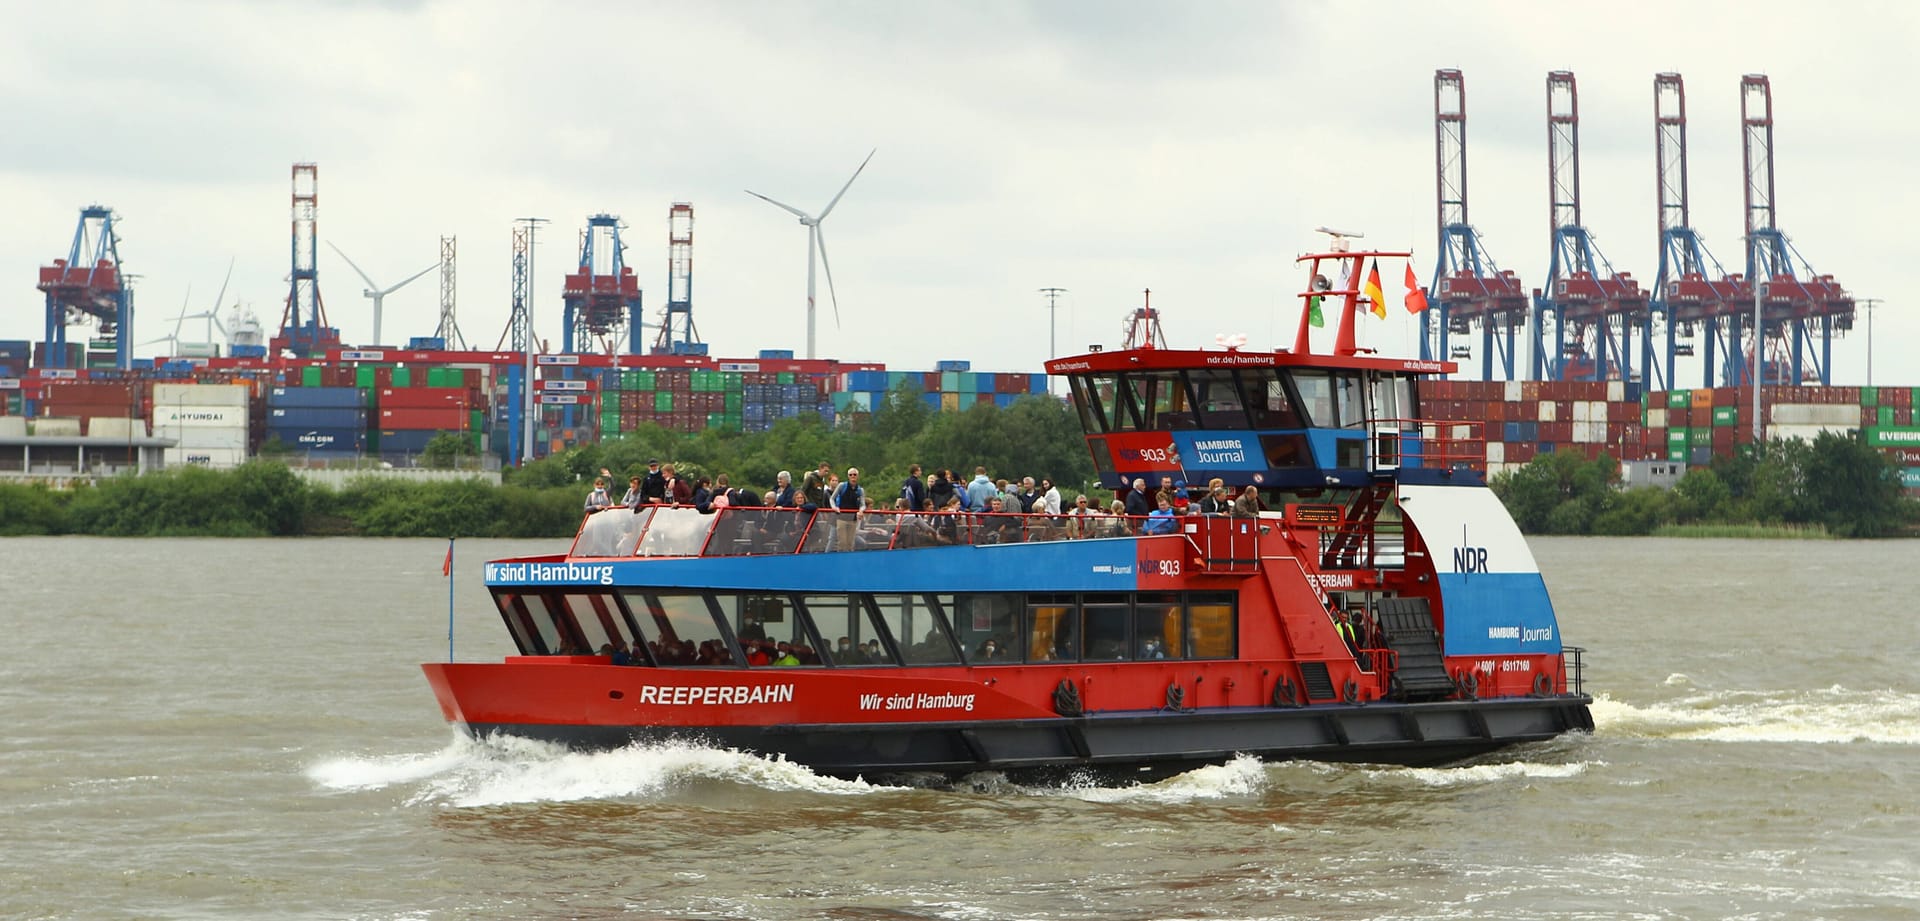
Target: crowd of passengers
x=762 y=651
x=1015 y=507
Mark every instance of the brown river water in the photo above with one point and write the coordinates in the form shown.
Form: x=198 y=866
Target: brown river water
x=239 y=729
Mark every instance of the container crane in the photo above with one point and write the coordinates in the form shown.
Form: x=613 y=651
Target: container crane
x=603 y=297
x=303 y=322
x=1687 y=296
x=89 y=284
x=1467 y=287
x=1795 y=308
x=678 y=335
x=1593 y=308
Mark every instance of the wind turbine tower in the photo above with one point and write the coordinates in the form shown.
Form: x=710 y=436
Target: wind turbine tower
x=377 y=293
x=816 y=240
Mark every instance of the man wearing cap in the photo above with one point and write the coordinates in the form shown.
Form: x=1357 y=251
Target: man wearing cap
x=654 y=487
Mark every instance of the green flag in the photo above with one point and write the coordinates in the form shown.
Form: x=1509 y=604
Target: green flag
x=1314 y=316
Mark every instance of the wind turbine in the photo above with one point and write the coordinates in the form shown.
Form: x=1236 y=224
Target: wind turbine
x=377 y=293
x=208 y=347
x=817 y=240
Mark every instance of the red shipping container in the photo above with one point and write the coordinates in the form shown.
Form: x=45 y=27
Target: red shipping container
x=421 y=398
x=447 y=420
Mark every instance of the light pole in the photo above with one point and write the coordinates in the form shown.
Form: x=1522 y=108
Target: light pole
x=1869 y=303
x=1053 y=350
x=528 y=406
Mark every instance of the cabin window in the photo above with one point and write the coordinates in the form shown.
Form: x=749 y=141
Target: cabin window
x=689 y=634
x=514 y=612
x=1210 y=627
x=556 y=628
x=855 y=638
x=1103 y=400
x=1217 y=399
x=1052 y=628
x=595 y=620
x=916 y=628
x=978 y=618
x=1159 y=400
x=1393 y=397
x=1103 y=627
x=765 y=621
x=1156 y=627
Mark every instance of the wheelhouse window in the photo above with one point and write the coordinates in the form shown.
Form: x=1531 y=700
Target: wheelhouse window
x=1157 y=399
x=1316 y=397
x=1268 y=401
x=1349 y=406
x=1218 y=400
x=1087 y=401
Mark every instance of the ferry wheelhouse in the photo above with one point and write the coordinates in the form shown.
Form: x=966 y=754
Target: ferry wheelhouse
x=1378 y=606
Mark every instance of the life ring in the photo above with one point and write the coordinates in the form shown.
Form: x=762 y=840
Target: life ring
x=1542 y=685
x=1284 y=693
x=1350 y=692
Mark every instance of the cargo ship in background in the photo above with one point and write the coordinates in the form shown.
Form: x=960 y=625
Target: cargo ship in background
x=1368 y=599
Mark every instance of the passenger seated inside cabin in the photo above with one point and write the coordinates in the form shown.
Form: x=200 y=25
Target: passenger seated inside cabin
x=873 y=653
x=991 y=651
x=1150 y=648
x=621 y=655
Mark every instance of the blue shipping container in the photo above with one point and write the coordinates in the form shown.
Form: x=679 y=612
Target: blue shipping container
x=405 y=441
x=317 y=397
x=786 y=354
x=953 y=366
x=1004 y=400
x=320 y=439
x=306 y=418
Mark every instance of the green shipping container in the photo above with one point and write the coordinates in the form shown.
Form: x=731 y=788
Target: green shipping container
x=663 y=401
x=733 y=381
x=310 y=376
x=949 y=382
x=363 y=376
x=1679 y=399
x=1726 y=415
x=1886 y=415
x=1677 y=454
x=609 y=423
x=1676 y=438
x=967 y=399
x=477 y=420
x=733 y=402
x=1869 y=396
x=1906 y=436
x=784 y=377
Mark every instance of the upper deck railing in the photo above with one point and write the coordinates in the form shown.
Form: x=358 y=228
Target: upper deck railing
x=1224 y=543
x=1427 y=444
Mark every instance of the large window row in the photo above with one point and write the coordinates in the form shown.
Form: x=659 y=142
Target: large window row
x=841 y=629
x=1237 y=398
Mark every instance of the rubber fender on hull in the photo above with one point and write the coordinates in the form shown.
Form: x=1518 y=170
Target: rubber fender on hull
x=1542 y=685
x=1066 y=699
x=1285 y=694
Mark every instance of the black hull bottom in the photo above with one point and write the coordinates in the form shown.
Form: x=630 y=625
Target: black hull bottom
x=1146 y=745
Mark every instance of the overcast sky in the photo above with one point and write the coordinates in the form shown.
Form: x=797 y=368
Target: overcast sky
x=1099 y=147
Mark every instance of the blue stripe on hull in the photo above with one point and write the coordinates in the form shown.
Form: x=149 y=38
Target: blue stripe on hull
x=1498 y=614
x=1063 y=566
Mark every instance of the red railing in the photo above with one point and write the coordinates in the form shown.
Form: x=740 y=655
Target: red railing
x=1427 y=444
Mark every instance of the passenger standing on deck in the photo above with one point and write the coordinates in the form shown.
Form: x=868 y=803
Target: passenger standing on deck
x=1050 y=496
x=679 y=491
x=979 y=491
x=1139 y=502
x=813 y=491
x=633 y=498
x=847 y=501
x=654 y=487
x=941 y=488
x=599 y=498
x=913 y=490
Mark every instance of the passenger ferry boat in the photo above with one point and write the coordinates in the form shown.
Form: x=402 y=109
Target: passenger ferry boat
x=961 y=643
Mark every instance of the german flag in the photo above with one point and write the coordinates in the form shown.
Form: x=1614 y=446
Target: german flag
x=1373 y=290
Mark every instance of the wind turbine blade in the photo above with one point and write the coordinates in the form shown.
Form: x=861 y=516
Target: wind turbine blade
x=821 y=236
x=843 y=189
x=411 y=278
x=356 y=268
x=796 y=212
x=223 y=284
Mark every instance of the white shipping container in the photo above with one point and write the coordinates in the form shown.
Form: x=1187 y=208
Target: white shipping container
x=200 y=395
x=1496 y=452
x=116 y=427
x=218 y=458
x=1547 y=411
x=199 y=416
x=1807 y=433
x=1616 y=391
x=1818 y=414
x=13 y=426
x=1513 y=392
x=57 y=425
x=1582 y=412
x=1657 y=417
x=205 y=438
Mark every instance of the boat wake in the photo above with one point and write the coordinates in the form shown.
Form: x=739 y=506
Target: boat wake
x=1827 y=715
x=503 y=770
